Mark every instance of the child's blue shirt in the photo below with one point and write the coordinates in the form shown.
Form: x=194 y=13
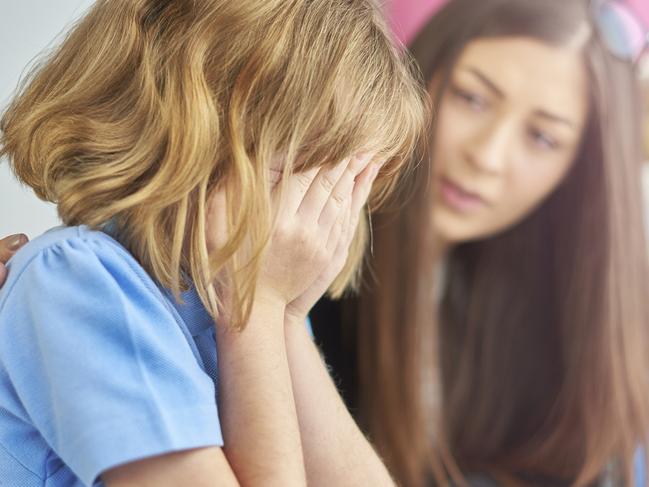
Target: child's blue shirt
x=98 y=365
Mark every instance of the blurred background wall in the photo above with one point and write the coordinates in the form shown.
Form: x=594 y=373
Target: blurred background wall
x=26 y=28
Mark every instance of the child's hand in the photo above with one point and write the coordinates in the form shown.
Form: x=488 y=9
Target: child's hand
x=313 y=232
x=315 y=223
x=298 y=309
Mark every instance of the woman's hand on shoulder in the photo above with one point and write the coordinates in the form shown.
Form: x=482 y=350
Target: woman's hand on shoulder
x=8 y=247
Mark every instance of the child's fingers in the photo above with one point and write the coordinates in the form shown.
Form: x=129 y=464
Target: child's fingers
x=361 y=192
x=360 y=162
x=343 y=189
x=350 y=227
x=363 y=187
x=297 y=186
x=321 y=189
x=338 y=230
x=341 y=251
x=331 y=213
x=359 y=198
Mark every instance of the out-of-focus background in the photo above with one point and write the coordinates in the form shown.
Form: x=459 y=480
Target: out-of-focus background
x=644 y=74
x=27 y=27
x=30 y=26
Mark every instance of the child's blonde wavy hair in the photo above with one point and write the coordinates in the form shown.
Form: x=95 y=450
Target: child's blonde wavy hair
x=148 y=105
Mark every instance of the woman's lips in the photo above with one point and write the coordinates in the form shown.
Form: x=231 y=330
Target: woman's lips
x=458 y=198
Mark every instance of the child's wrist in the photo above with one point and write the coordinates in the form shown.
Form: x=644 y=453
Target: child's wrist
x=267 y=314
x=294 y=317
x=268 y=299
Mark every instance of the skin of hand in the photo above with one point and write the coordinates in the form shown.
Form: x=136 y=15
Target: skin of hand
x=257 y=407
x=8 y=247
x=365 y=173
x=335 y=450
x=317 y=218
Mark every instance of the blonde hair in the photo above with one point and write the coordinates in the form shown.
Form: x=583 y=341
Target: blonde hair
x=148 y=105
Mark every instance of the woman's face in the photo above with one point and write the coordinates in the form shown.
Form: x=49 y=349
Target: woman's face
x=509 y=128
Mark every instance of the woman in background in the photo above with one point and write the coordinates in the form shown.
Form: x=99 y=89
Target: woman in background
x=506 y=328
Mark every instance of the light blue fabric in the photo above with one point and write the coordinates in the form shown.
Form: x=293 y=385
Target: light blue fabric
x=98 y=366
x=640 y=468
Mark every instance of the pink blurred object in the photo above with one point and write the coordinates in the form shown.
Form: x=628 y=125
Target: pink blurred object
x=406 y=17
x=639 y=7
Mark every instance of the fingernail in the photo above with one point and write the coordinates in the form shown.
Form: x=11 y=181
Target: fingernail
x=16 y=241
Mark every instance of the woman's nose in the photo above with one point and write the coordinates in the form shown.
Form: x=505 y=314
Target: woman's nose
x=488 y=150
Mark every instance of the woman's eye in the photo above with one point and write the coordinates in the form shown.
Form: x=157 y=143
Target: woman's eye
x=543 y=140
x=474 y=101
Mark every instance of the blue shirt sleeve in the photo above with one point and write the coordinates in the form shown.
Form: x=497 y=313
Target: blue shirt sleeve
x=99 y=362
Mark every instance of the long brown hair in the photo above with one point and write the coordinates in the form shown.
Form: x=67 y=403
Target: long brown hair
x=148 y=105
x=538 y=364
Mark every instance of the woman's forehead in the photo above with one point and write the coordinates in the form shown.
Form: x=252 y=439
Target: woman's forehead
x=529 y=72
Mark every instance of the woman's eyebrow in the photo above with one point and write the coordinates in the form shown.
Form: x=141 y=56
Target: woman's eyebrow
x=554 y=118
x=484 y=79
x=491 y=86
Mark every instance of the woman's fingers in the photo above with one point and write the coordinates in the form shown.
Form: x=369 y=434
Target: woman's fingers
x=9 y=245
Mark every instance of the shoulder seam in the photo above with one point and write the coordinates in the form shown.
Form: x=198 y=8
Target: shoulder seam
x=86 y=238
